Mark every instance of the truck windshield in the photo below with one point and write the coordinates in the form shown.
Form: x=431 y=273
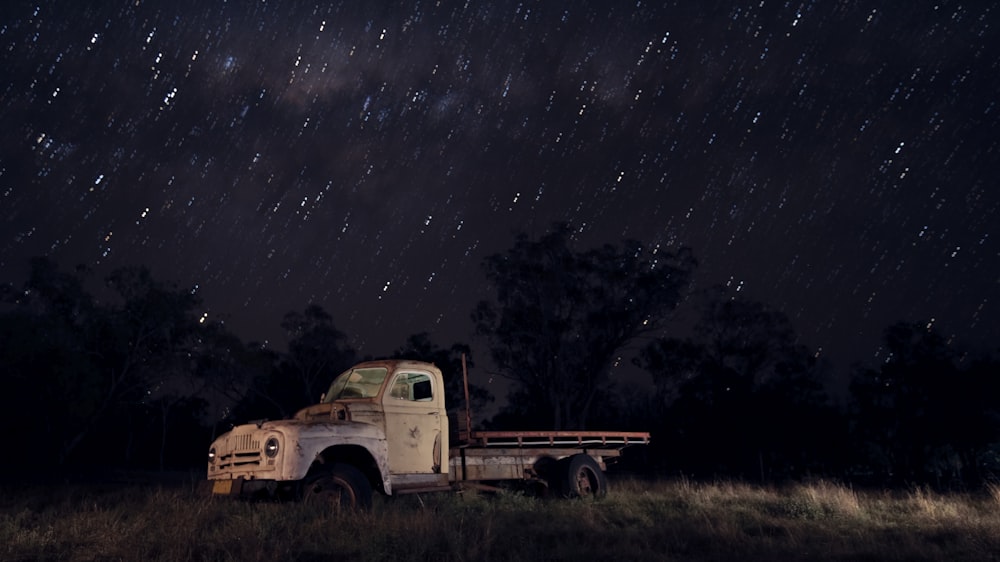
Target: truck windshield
x=356 y=383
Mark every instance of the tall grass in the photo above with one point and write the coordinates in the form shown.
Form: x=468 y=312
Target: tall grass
x=675 y=520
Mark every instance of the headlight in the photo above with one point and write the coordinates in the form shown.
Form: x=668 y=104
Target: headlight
x=271 y=447
x=211 y=455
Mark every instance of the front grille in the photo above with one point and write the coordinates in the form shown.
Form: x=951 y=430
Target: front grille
x=245 y=442
x=243 y=451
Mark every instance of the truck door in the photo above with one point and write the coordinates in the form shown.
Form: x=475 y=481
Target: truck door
x=416 y=430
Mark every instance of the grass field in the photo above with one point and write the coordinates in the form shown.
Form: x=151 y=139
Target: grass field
x=670 y=520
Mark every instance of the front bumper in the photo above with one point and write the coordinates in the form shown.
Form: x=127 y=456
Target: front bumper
x=233 y=487
x=243 y=487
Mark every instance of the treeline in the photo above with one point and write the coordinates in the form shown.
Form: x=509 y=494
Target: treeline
x=742 y=397
x=141 y=379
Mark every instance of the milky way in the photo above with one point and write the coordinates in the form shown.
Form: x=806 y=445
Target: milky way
x=836 y=160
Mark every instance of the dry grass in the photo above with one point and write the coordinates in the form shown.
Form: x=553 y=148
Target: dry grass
x=994 y=491
x=675 y=520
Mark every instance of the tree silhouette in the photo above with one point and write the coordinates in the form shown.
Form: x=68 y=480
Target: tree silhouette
x=317 y=353
x=742 y=396
x=145 y=347
x=238 y=378
x=921 y=415
x=81 y=364
x=560 y=316
x=49 y=374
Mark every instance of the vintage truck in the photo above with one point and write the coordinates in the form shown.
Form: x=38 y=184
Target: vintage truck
x=382 y=426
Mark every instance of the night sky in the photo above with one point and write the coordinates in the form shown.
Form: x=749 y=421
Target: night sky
x=836 y=160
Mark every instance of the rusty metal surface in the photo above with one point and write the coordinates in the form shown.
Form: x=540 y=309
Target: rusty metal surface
x=241 y=452
x=327 y=411
x=559 y=438
x=514 y=463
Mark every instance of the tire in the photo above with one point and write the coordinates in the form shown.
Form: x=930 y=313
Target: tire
x=343 y=487
x=583 y=478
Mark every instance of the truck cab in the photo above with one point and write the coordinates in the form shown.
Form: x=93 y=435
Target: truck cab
x=383 y=422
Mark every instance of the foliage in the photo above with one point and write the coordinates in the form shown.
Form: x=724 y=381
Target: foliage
x=83 y=364
x=237 y=378
x=746 y=386
x=561 y=315
x=262 y=383
x=925 y=415
x=317 y=353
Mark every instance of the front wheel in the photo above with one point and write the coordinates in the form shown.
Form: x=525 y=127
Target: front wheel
x=583 y=478
x=341 y=487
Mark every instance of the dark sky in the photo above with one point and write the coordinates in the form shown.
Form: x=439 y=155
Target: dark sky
x=837 y=160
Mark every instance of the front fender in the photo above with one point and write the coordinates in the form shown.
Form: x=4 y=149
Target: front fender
x=241 y=453
x=310 y=446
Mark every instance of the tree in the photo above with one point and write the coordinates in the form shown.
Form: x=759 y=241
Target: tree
x=560 y=317
x=81 y=366
x=238 y=377
x=143 y=346
x=48 y=373
x=317 y=352
x=744 y=385
x=924 y=414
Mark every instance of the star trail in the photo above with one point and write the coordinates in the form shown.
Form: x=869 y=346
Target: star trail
x=836 y=160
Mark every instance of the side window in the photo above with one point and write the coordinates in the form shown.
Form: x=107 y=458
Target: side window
x=422 y=390
x=415 y=387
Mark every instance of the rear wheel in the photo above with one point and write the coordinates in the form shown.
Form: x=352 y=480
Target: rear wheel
x=341 y=487
x=583 y=478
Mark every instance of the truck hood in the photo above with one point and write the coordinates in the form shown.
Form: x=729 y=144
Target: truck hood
x=298 y=429
x=315 y=429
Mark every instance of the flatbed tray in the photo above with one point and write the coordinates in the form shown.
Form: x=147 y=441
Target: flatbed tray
x=582 y=439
